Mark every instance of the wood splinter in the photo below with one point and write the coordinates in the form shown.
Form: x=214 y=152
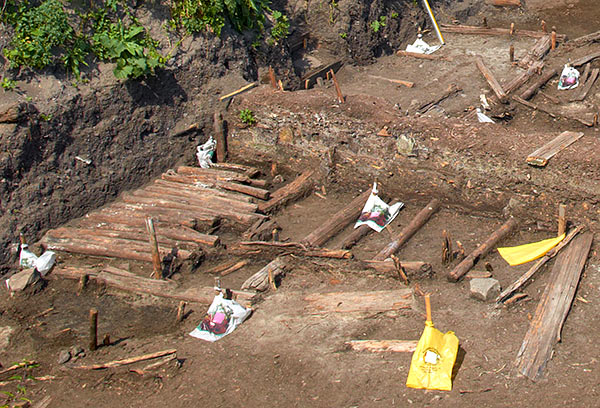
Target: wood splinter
x=446 y=248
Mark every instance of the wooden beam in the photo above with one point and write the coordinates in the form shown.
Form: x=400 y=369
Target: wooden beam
x=420 y=219
x=533 y=106
x=220 y=132
x=545 y=77
x=197 y=189
x=380 y=346
x=356 y=235
x=541 y=156
x=260 y=280
x=310 y=78
x=491 y=79
x=473 y=30
x=539 y=50
x=226 y=185
x=585 y=59
x=365 y=302
x=553 y=308
x=462 y=268
x=298 y=188
x=593 y=37
x=587 y=85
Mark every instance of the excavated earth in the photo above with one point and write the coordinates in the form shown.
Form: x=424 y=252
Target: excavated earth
x=284 y=356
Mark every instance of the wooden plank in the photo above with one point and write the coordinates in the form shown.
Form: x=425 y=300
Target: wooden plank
x=462 y=268
x=491 y=79
x=541 y=156
x=310 y=79
x=553 y=308
x=518 y=284
x=193 y=199
x=127 y=361
x=473 y=30
x=540 y=48
x=505 y=3
x=380 y=346
x=585 y=89
x=533 y=106
x=585 y=59
x=366 y=302
x=298 y=188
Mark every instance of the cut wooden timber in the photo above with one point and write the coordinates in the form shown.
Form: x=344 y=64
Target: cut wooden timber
x=545 y=77
x=584 y=76
x=452 y=89
x=366 y=302
x=394 y=81
x=211 y=175
x=337 y=222
x=519 y=80
x=298 y=188
x=220 y=132
x=247 y=170
x=423 y=56
x=226 y=185
x=414 y=270
x=593 y=37
x=474 y=30
x=585 y=89
x=518 y=284
x=239 y=91
x=541 y=156
x=156 y=259
x=261 y=230
x=462 y=268
x=533 y=106
x=301 y=249
x=310 y=79
x=416 y=223
x=260 y=280
x=491 y=79
x=380 y=346
x=201 y=190
x=356 y=235
x=505 y=3
x=539 y=50
x=553 y=308
x=237 y=266
x=585 y=59
x=127 y=361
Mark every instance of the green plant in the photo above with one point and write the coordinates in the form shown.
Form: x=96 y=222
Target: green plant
x=394 y=15
x=344 y=35
x=46 y=117
x=8 y=84
x=378 y=24
x=333 y=5
x=247 y=117
x=280 y=29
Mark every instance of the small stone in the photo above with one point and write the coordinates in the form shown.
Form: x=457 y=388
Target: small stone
x=22 y=280
x=484 y=289
x=406 y=145
x=286 y=135
x=64 y=356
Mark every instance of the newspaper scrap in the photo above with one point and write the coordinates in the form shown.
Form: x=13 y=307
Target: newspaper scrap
x=205 y=152
x=376 y=213
x=569 y=78
x=222 y=317
x=421 y=47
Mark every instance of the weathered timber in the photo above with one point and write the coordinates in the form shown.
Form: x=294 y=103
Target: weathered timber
x=239 y=91
x=474 y=30
x=337 y=222
x=462 y=268
x=235 y=267
x=491 y=79
x=196 y=189
x=248 y=170
x=584 y=76
x=585 y=89
x=545 y=77
x=338 y=90
x=539 y=50
x=541 y=156
x=13 y=113
x=547 y=111
x=93 y=329
x=356 y=235
x=156 y=263
x=366 y=302
x=505 y=3
x=414 y=270
x=220 y=133
x=520 y=79
x=585 y=59
x=562 y=219
x=210 y=175
x=261 y=230
x=452 y=89
x=127 y=361
x=434 y=57
x=416 y=223
x=408 y=84
x=298 y=188
x=310 y=79
x=553 y=308
x=301 y=249
x=589 y=38
x=260 y=280
x=226 y=185
x=380 y=346
x=518 y=284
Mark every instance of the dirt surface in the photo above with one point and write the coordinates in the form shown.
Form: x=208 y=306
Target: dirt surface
x=284 y=356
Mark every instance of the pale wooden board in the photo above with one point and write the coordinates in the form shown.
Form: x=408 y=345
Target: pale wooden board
x=369 y=302
x=541 y=156
x=379 y=346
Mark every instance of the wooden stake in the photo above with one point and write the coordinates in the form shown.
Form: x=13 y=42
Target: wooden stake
x=511 y=53
x=512 y=28
x=272 y=77
x=553 y=39
x=337 y=87
x=275 y=235
x=156 y=264
x=82 y=283
x=400 y=269
x=180 y=311
x=93 y=329
x=544 y=28
x=106 y=340
x=22 y=238
x=220 y=137
x=446 y=248
x=428 y=307
x=562 y=220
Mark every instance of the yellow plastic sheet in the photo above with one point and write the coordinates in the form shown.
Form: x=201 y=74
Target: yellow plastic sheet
x=433 y=359
x=525 y=253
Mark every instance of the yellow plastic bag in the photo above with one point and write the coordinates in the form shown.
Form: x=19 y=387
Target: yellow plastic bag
x=433 y=359
x=525 y=253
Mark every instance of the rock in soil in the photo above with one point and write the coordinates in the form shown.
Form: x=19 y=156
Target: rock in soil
x=22 y=280
x=64 y=356
x=485 y=289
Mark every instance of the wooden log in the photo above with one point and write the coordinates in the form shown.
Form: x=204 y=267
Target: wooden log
x=421 y=218
x=298 y=188
x=310 y=79
x=433 y=57
x=237 y=266
x=193 y=198
x=540 y=108
x=506 y=3
x=589 y=38
x=491 y=79
x=356 y=235
x=261 y=230
x=260 y=280
x=131 y=360
x=539 y=50
x=585 y=89
x=226 y=185
x=520 y=79
x=247 y=170
x=380 y=346
x=414 y=270
x=553 y=308
x=365 y=302
x=474 y=30
x=541 y=156
x=408 y=84
x=337 y=222
x=518 y=284
x=196 y=189
x=452 y=89
x=471 y=260
x=301 y=249
x=529 y=92
x=211 y=175
x=93 y=329
x=239 y=91
x=156 y=260
x=220 y=137
x=585 y=59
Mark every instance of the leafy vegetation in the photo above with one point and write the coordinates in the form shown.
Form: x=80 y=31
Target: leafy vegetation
x=378 y=24
x=8 y=84
x=247 y=117
x=280 y=29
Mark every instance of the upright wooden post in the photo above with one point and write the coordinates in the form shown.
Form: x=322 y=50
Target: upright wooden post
x=220 y=137
x=544 y=28
x=93 y=329
x=180 y=311
x=272 y=77
x=337 y=87
x=156 y=264
x=511 y=53
x=512 y=28
x=553 y=39
x=562 y=219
